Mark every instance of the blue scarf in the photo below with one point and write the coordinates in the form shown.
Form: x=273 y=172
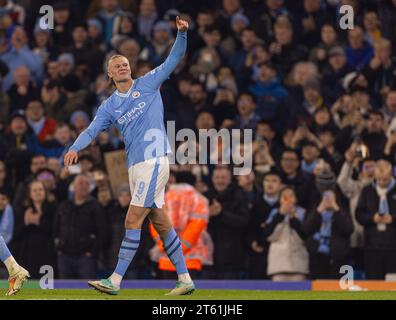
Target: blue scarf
x=323 y=236
x=300 y=213
x=383 y=207
x=108 y=25
x=308 y=168
x=271 y=200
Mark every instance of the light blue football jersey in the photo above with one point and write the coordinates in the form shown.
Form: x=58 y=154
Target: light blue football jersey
x=138 y=113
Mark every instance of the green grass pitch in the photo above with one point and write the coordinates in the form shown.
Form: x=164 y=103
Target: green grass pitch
x=149 y=294
x=32 y=291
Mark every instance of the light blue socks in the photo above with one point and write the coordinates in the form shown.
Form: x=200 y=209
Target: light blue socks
x=4 y=251
x=174 y=251
x=127 y=251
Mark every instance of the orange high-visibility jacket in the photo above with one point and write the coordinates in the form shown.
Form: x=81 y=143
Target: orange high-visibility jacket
x=188 y=211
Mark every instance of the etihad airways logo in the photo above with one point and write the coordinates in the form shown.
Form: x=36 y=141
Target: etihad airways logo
x=132 y=114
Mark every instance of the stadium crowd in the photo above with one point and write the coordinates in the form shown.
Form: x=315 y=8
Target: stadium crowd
x=320 y=100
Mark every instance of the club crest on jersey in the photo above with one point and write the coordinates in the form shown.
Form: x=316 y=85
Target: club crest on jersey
x=135 y=94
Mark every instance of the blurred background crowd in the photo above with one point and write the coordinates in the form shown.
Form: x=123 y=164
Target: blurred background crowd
x=320 y=101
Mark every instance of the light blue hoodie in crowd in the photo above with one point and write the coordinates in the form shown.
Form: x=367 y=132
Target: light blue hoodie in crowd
x=138 y=113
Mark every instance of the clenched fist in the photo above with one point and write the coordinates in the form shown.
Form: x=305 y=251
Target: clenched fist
x=181 y=24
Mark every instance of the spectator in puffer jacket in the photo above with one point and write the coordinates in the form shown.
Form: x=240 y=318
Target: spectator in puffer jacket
x=287 y=256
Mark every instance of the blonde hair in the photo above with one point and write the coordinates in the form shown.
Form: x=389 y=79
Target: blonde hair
x=114 y=56
x=383 y=166
x=112 y=84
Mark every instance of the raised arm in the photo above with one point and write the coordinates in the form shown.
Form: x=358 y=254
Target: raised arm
x=100 y=123
x=157 y=76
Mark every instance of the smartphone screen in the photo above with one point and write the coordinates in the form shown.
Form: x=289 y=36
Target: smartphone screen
x=74 y=169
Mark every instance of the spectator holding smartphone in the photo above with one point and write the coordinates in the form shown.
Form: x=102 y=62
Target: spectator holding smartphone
x=376 y=211
x=356 y=173
x=329 y=227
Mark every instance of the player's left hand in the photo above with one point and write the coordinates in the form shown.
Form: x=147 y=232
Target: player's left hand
x=181 y=24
